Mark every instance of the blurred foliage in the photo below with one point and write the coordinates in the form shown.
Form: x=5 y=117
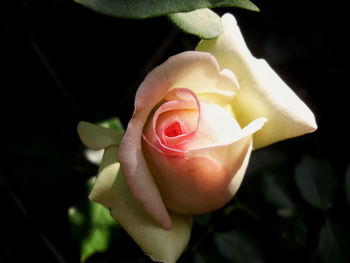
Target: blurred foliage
x=333 y=243
x=92 y=226
x=238 y=246
x=203 y=23
x=317 y=182
x=63 y=63
x=193 y=17
x=139 y=9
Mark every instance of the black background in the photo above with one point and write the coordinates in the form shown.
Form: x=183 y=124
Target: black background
x=62 y=63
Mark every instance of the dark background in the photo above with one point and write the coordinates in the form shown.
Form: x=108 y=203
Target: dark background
x=62 y=63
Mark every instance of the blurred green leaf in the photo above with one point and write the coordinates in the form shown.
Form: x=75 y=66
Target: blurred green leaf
x=140 y=9
x=316 y=181
x=203 y=23
x=333 y=243
x=275 y=193
x=347 y=184
x=238 y=247
x=92 y=226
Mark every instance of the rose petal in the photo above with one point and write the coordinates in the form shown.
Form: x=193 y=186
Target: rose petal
x=203 y=179
x=208 y=82
x=111 y=190
x=201 y=72
x=193 y=185
x=177 y=110
x=262 y=92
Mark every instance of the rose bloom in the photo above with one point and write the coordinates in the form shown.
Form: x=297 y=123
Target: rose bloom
x=186 y=148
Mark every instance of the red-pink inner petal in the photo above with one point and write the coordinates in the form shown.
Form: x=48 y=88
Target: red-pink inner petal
x=173 y=130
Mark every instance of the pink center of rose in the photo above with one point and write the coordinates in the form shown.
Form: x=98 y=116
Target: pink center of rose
x=175 y=122
x=173 y=130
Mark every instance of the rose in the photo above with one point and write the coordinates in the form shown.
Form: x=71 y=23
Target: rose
x=184 y=150
x=195 y=150
x=192 y=147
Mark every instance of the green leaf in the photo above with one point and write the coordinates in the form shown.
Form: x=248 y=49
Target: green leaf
x=347 y=184
x=91 y=225
x=317 y=183
x=203 y=23
x=140 y=9
x=238 y=247
x=333 y=243
x=276 y=193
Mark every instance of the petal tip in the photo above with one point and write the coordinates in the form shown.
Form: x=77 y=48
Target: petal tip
x=229 y=18
x=167 y=225
x=313 y=124
x=83 y=130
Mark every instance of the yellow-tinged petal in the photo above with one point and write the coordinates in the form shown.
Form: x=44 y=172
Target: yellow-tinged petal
x=111 y=190
x=262 y=92
x=97 y=137
x=205 y=78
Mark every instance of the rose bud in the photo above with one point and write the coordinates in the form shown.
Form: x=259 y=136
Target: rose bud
x=197 y=118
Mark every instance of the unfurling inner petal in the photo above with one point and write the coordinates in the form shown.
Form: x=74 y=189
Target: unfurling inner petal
x=174 y=123
x=182 y=123
x=173 y=130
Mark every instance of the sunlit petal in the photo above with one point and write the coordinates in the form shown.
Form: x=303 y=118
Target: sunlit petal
x=262 y=92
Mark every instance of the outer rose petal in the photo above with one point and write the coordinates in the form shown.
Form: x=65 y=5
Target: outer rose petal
x=262 y=92
x=198 y=70
x=111 y=190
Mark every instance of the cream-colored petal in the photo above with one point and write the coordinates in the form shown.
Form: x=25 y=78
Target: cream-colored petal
x=216 y=127
x=262 y=92
x=97 y=137
x=111 y=190
x=206 y=79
